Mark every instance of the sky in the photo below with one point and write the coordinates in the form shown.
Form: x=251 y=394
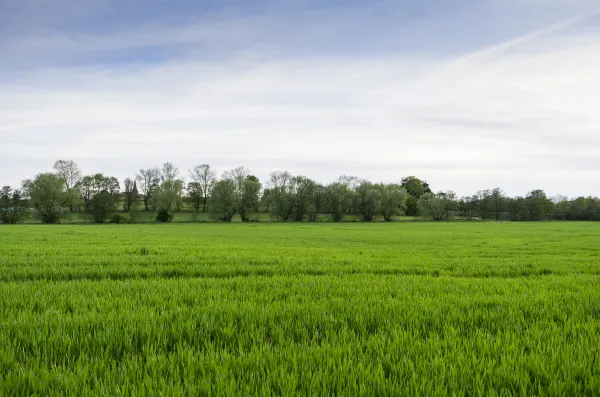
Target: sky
x=466 y=94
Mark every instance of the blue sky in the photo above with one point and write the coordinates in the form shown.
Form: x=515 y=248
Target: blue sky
x=467 y=94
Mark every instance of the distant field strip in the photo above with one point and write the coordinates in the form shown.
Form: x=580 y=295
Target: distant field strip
x=416 y=309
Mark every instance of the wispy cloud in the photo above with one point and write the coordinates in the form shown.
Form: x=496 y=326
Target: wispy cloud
x=512 y=103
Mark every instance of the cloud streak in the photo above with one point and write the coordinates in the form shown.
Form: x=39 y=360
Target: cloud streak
x=520 y=114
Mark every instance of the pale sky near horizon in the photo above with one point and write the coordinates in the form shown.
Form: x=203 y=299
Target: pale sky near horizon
x=467 y=94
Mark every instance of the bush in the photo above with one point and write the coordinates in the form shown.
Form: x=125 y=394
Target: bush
x=118 y=219
x=133 y=216
x=164 y=216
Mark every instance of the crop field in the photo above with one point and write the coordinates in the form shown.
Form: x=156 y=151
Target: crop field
x=415 y=309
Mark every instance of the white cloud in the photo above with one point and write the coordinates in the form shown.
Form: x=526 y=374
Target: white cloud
x=521 y=115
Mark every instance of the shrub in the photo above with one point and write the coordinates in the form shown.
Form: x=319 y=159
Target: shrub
x=118 y=219
x=164 y=216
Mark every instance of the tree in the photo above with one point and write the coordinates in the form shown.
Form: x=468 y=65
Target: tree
x=238 y=176
x=538 y=206
x=439 y=206
x=415 y=188
x=498 y=198
x=205 y=177
x=130 y=194
x=196 y=196
x=148 y=180
x=47 y=196
x=393 y=201
x=562 y=206
x=468 y=207
x=68 y=171
x=292 y=197
x=168 y=172
x=13 y=207
x=339 y=197
x=224 y=200
x=369 y=200
x=101 y=195
x=166 y=199
x=101 y=206
x=249 y=197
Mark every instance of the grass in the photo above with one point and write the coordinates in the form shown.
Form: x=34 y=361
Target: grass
x=301 y=309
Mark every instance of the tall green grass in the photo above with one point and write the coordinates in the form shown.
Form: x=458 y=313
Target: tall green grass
x=353 y=309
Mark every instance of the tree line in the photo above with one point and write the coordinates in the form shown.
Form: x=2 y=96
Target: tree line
x=50 y=196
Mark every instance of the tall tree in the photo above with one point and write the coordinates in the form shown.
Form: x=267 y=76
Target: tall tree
x=249 y=197
x=130 y=194
x=439 y=206
x=415 y=187
x=68 y=171
x=238 y=176
x=393 y=201
x=224 y=200
x=205 y=177
x=292 y=197
x=148 y=180
x=498 y=198
x=166 y=199
x=13 y=206
x=169 y=172
x=339 y=197
x=101 y=195
x=47 y=196
x=196 y=196
x=538 y=206
x=369 y=200
x=102 y=205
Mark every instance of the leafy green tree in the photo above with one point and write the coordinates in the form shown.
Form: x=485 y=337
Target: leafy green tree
x=249 y=197
x=68 y=171
x=224 y=200
x=369 y=200
x=47 y=196
x=205 y=177
x=101 y=206
x=148 y=180
x=393 y=201
x=439 y=206
x=130 y=194
x=196 y=196
x=415 y=188
x=339 y=197
x=166 y=199
x=538 y=206
x=13 y=207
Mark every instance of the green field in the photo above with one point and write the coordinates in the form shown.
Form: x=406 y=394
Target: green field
x=415 y=309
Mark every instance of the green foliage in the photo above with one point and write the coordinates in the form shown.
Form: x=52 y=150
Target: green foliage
x=415 y=188
x=339 y=198
x=101 y=206
x=438 y=207
x=47 y=196
x=166 y=198
x=393 y=201
x=195 y=196
x=13 y=207
x=118 y=219
x=369 y=200
x=224 y=200
x=418 y=309
x=249 y=197
x=164 y=216
x=293 y=197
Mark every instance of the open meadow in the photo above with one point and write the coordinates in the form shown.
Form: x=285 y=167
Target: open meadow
x=404 y=308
